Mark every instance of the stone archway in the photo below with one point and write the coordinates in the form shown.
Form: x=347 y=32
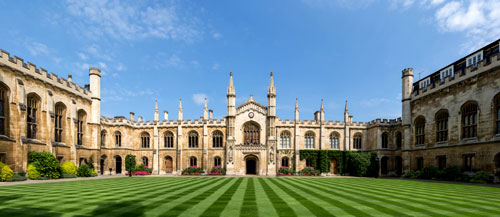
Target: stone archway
x=384 y=165
x=102 y=164
x=398 y=165
x=168 y=164
x=118 y=164
x=333 y=166
x=251 y=165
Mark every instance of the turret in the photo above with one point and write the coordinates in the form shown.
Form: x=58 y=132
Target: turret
x=271 y=98
x=346 y=113
x=407 y=81
x=231 y=97
x=157 y=114
x=95 y=89
x=180 y=110
x=296 y=109
x=205 y=111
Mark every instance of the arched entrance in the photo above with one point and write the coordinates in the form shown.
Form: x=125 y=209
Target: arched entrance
x=118 y=164
x=102 y=164
x=399 y=165
x=333 y=166
x=384 y=165
x=168 y=164
x=251 y=165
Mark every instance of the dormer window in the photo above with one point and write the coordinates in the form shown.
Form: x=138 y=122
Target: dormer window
x=447 y=72
x=474 y=59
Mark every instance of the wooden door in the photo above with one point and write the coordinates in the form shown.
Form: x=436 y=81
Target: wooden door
x=168 y=164
x=333 y=166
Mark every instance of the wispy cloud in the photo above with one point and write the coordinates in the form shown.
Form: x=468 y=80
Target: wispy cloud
x=37 y=48
x=199 y=98
x=133 y=20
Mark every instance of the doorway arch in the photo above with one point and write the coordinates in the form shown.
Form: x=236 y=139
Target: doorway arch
x=333 y=166
x=103 y=164
x=118 y=164
x=251 y=165
x=168 y=164
x=399 y=165
x=384 y=165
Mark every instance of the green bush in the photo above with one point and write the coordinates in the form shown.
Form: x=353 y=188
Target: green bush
x=6 y=172
x=411 y=174
x=142 y=167
x=33 y=172
x=84 y=171
x=450 y=173
x=192 y=171
x=46 y=164
x=285 y=171
x=68 y=168
x=358 y=163
x=130 y=164
x=309 y=171
x=428 y=172
x=480 y=177
x=93 y=173
x=68 y=176
x=17 y=178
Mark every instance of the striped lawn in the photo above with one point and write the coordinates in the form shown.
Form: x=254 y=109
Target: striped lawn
x=248 y=196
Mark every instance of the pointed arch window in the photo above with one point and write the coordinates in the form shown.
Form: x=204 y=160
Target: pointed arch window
x=420 y=131
x=103 y=138
x=285 y=162
x=59 y=122
x=442 y=126
x=334 y=140
x=118 y=139
x=385 y=140
x=3 y=109
x=80 y=125
x=168 y=140
x=217 y=162
x=193 y=139
x=145 y=161
x=469 y=120
x=251 y=134
x=192 y=162
x=31 y=119
x=309 y=140
x=145 y=140
x=217 y=139
x=399 y=140
x=285 y=139
x=357 y=144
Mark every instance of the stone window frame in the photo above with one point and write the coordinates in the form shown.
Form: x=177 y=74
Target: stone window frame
x=441 y=161
x=59 y=121
x=420 y=131
x=251 y=133
x=103 y=138
x=193 y=139
x=469 y=120
x=193 y=161
x=309 y=139
x=385 y=140
x=442 y=118
x=145 y=140
x=168 y=139
x=32 y=112
x=217 y=161
x=217 y=139
x=285 y=161
x=399 y=140
x=496 y=102
x=145 y=161
x=118 y=139
x=4 y=111
x=357 y=141
x=468 y=162
x=334 y=140
x=285 y=139
x=80 y=125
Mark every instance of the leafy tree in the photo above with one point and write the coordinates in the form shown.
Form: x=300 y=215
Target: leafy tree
x=46 y=164
x=130 y=164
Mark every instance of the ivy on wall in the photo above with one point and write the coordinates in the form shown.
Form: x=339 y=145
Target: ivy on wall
x=354 y=163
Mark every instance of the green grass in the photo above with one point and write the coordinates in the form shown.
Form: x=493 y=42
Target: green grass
x=252 y=196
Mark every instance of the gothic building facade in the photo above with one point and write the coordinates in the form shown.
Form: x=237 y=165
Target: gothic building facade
x=451 y=117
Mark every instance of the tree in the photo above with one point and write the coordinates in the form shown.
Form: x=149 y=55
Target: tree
x=130 y=164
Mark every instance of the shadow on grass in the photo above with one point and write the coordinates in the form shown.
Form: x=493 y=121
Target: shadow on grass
x=120 y=208
x=25 y=210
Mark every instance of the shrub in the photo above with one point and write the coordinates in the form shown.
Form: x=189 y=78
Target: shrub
x=309 y=171
x=429 y=172
x=93 y=173
x=141 y=167
x=84 y=171
x=68 y=176
x=480 y=177
x=411 y=174
x=285 y=171
x=68 y=168
x=46 y=164
x=6 y=172
x=359 y=163
x=217 y=171
x=130 y=163
x=18 y=177
x=192 y=171
x=33 y=172
x=451 y=173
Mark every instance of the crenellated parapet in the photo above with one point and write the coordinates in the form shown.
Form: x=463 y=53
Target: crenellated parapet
x=122 y=121
x=384 y=122
x=38 y=73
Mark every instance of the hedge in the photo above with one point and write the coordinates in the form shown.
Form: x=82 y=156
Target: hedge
x=348 y=162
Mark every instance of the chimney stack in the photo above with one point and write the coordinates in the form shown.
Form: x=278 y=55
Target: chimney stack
x=139 y=119
x=165 y=115
x=210 y=114
x=132 y=116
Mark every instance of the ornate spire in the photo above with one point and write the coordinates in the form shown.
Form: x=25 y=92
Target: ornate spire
x=346 y=109
x=230 y=88
x=297 y=109
x=157 y=115
x=322 y=106
x=180 y=104
x=180 y=110
x=205 y=110
x=272 y=90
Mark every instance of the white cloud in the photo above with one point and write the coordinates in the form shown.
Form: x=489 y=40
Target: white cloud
x=199 y=98
x=120 y=67
x=36 y=48
x=133 y=20
x=216 y=35
x=82 y=56
x=215 y=66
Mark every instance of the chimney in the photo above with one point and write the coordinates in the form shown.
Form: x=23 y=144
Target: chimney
x=316 y=115
x=165 y=115
x=70 y=78
x=210 y=114
x=139 y=119
x=132 y=116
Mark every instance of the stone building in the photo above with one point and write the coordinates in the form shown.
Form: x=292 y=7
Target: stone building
x=450 y=117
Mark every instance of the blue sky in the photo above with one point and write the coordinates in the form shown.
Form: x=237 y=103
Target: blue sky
x=333 y=50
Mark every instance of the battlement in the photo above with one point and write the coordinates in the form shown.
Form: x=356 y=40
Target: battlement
x=378 y=122
x=41 y=74
x=120 y=120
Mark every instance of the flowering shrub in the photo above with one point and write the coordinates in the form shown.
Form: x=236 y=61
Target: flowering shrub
x=5 y=172
x=32 y=172
x=285 y=171
x=192 y=171
x=217 y=171
x=68 y=168
x=309 y=171
x=141 y=167
x=46 y=164
x=140 y=173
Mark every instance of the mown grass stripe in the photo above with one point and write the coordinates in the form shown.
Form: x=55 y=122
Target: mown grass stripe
x=279 y=204
x=458 y=203
x=177 y=210
x=216 y=208
x=311 y=206
x=249 y=207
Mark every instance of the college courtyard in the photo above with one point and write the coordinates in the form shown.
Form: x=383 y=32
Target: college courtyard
x=248 y=196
